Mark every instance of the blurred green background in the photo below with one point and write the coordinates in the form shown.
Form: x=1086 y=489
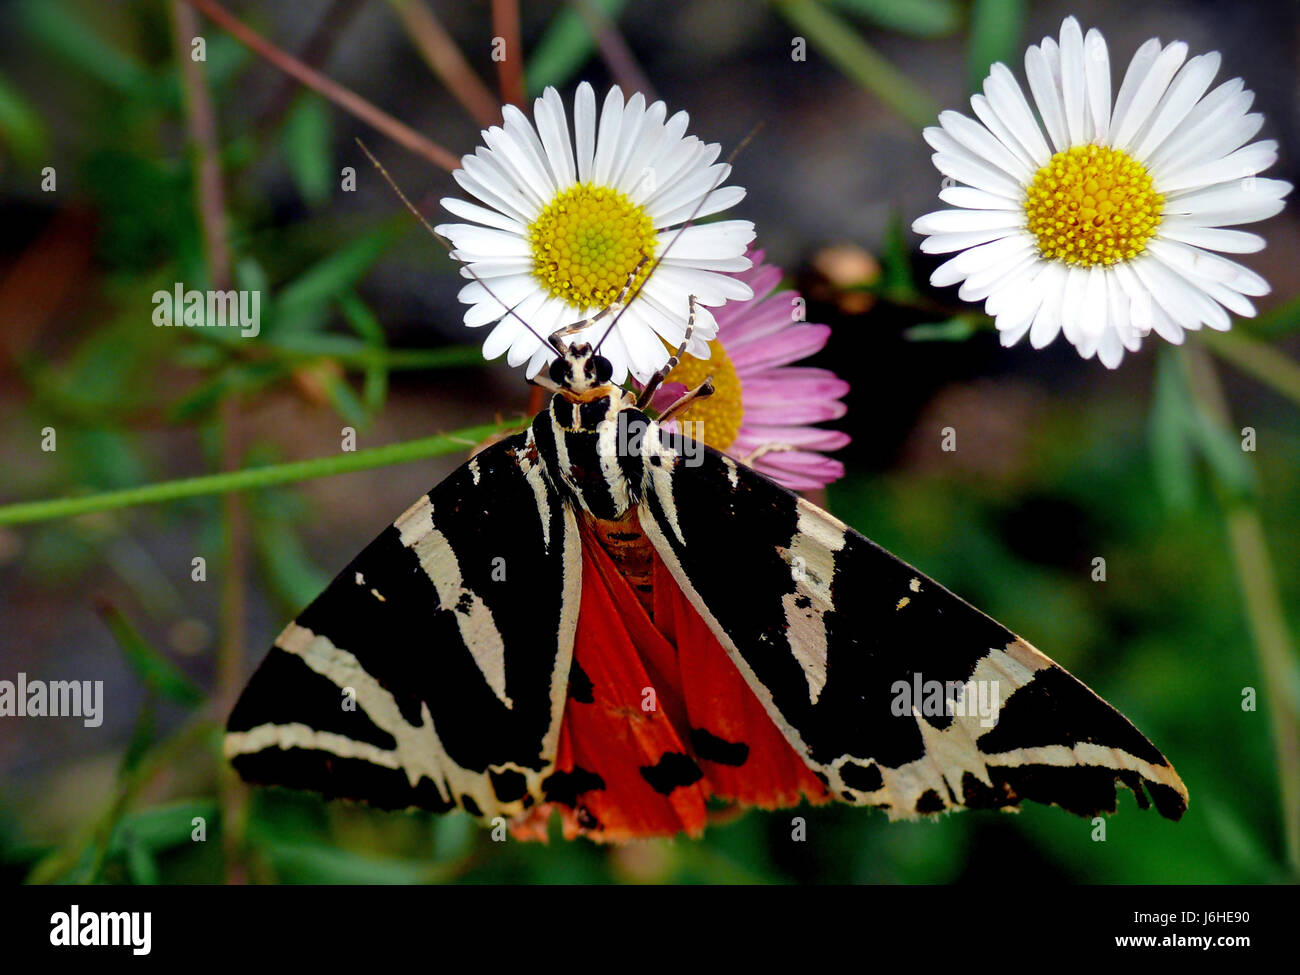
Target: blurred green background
x=1059 y=461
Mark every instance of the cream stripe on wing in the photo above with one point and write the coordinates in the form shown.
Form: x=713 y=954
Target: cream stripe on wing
x=295 y=735
x=477 y=628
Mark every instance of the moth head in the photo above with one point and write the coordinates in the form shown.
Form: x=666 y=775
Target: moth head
x=580 y=369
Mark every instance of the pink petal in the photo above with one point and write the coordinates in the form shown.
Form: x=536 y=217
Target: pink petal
x=792 y=383
x=795 y=343
x=798 y=470
x=754 y=320
x=806 y=411
x=752 y=436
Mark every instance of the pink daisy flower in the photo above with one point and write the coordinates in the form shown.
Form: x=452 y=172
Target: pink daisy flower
x=763 y=408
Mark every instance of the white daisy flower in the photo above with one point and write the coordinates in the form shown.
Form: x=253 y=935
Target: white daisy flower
x=1104 y=228
x=565 y=223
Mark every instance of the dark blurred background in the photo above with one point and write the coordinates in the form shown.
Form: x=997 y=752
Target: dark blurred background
x=1060 y=461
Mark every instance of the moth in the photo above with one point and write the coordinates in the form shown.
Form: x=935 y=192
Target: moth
x=603 y=618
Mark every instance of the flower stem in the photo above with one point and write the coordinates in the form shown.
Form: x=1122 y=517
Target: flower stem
x=444 y=58
x=1267 y=619
x=251 y=478
x=1259 y=359
x=859 y=60
x=345 y=98
x=510 y=69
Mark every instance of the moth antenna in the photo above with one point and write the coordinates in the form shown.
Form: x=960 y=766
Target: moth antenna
x=680 y=230
x=450 y=252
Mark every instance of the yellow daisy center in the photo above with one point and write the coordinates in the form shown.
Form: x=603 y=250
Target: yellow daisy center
x=1092 y=205
x=586 y=242
x=716 y=418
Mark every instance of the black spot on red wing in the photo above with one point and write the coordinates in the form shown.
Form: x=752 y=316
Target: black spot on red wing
x=586 y=819
x=470 y=806
x=864 y=778
x=672 y=771
x=625 y=536
x=580 y=687
x=565 y=787
x=709 y=746
x=930 y=802
x=508 y=785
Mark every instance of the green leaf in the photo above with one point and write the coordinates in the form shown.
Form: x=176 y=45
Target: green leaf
x=366 y=325
x=22 y=130
x=1168 y=430
x=956 y=329
x=141 y=737
x=307 y=145
x=290 y=572
x=140 y=864
x=565 y=47
x=345 y=401
x=920 y=18
x=62 y=31
x=841 y=44
x=336 y=273
x=307 y=863
x=1248 y=852
x=896 y=280
x=995 y=30
x=350 y=352
x=164 y=827
x=1228 y=464
x=157 y=672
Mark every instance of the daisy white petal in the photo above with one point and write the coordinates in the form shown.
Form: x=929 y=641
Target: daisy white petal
x=584 y=129
x=1184 y=92
x=972 y=199
x=1008 y=99
x=1148 y=94
x=981 y=142
x=965 y=221
x=992 y=121
x=1243 y=163
x=1096 y=68
x=1073 y=86
x=1047 y=96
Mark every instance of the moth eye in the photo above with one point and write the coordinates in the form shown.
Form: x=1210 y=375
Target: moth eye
x=604 y=370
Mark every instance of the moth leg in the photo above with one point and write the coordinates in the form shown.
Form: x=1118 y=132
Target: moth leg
x=615 y=306
x=687 y=398
x=671 y=364
x=767 y=448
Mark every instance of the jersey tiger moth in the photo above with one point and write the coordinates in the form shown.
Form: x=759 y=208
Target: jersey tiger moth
x=602 y=618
